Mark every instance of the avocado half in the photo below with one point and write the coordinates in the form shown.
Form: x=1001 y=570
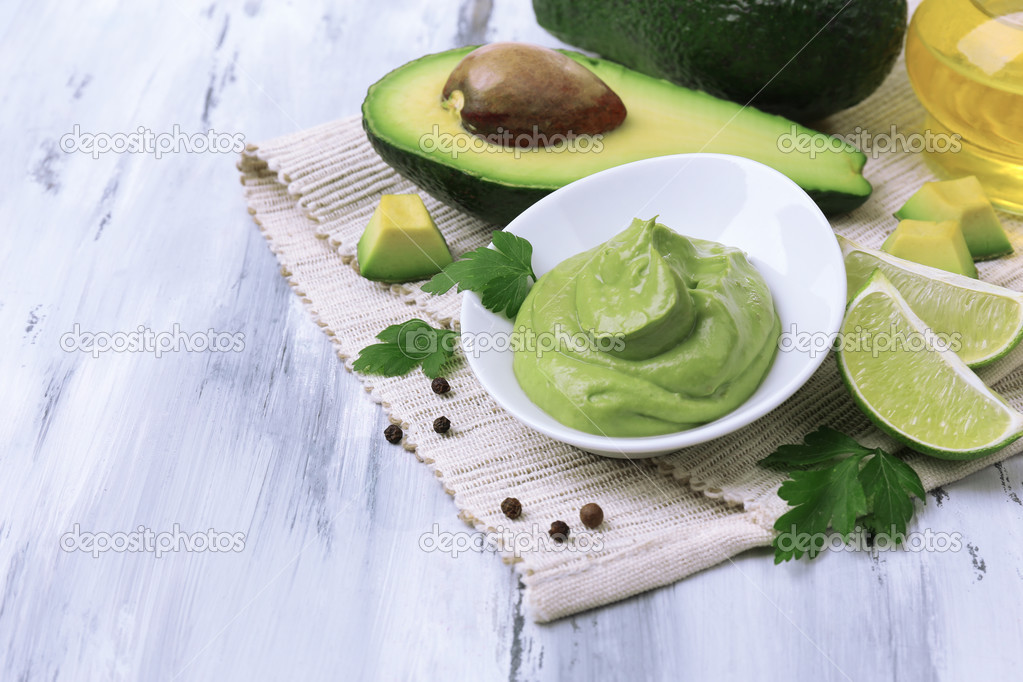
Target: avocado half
x=414 y=133
x=804 y=59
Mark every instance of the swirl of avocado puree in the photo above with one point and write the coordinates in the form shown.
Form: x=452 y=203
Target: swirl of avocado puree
x=656 y=333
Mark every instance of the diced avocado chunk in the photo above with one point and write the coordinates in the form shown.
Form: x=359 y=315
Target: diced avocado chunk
x=937 y=244
x=401 y=243
x=962 y=200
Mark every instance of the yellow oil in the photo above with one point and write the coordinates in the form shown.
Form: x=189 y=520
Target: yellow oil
x=965 y=61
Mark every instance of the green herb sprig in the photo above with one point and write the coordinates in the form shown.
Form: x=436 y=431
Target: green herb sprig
x=502 y=276
x=836 y=482
x=406 y=346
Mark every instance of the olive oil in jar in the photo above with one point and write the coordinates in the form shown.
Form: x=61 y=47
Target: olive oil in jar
x=965 y=61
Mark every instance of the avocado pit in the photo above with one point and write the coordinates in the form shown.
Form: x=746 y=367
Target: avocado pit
x=520 y=95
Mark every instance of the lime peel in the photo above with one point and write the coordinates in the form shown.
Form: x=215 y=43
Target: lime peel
x=929 y=398
x=988 y=318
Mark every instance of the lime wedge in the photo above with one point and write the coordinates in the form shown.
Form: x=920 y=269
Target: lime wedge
x=913 y=387
x=985 y=319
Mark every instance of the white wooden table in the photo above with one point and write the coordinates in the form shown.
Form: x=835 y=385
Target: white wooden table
x=276 y=441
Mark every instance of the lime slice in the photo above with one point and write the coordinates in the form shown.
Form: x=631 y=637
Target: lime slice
x=984 y=320
x=912 y=386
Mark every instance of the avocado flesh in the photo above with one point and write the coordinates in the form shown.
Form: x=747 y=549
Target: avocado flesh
x=401 y=243
x=964 y=201
x=411 y=129
x=938 y=244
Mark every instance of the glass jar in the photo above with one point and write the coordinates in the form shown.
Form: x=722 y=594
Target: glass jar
x=965 y=61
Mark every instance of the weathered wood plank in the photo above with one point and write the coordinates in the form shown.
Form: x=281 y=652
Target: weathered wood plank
x=279 y=443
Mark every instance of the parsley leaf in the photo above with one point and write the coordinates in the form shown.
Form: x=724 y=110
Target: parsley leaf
x=818 y=447
x=502 y=276
x=404 y=347
x=888 y=483
x=384 y=359
x=837 y=483
x=825 y=497
x=433 y=362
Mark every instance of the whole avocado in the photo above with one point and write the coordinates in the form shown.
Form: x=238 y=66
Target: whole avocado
x=802 y=59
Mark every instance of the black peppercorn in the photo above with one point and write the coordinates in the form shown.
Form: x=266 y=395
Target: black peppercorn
x=441 y=424
x=393 y=433
x=559 y=531
x=440 y=385
x=591 y=515
x=511 y=507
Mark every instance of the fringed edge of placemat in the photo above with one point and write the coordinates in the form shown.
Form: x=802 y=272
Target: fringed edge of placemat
x=552 y=593
x=754 y=496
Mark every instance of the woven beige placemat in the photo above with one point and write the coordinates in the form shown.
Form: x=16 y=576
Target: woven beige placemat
x=312 y=193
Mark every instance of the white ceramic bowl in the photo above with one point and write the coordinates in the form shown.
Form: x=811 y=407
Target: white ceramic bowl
x=728 y=199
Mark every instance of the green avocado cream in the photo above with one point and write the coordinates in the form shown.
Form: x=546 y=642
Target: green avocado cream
x=656 y=333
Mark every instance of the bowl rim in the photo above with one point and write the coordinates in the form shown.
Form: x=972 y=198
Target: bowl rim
x=649 y=446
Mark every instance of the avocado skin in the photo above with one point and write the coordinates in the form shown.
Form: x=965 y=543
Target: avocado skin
x=499 y=203
x=489 y=200
x=732 y=49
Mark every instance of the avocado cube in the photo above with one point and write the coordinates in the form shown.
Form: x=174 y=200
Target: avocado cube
x=401 y=243
x=937 y=244
x=963 y=200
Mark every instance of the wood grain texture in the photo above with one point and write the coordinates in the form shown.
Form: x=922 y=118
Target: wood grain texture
x=279 y=443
